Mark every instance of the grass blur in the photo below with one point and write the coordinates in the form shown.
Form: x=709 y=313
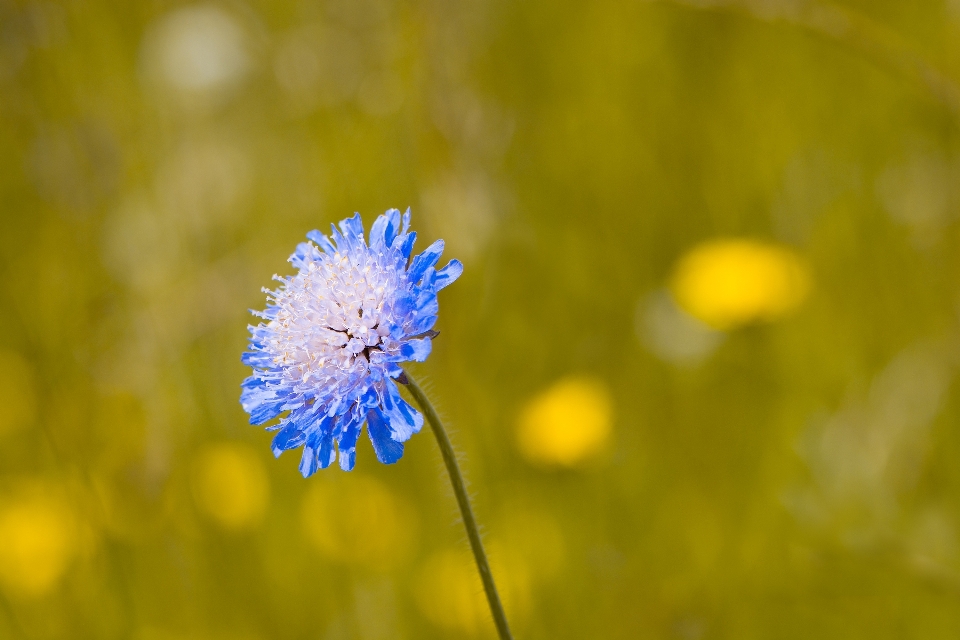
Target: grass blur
x=701 y=365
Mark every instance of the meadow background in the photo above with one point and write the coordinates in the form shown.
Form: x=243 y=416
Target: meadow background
x=701 y=365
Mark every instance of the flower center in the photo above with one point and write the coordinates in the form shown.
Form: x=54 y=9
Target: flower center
x=335 y=314
x=362 y=338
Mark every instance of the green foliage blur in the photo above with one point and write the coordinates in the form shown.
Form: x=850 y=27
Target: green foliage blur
x=642 y=468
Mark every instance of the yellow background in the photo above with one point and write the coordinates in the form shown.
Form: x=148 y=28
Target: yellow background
x=701 y=364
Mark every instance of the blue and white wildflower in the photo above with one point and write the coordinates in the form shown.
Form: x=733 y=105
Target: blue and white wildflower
x=333 y=337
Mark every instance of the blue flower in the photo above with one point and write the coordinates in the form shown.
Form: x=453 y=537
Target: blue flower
x=333 y=336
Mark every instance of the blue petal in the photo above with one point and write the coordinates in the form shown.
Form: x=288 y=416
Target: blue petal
x=416 y=350
x=348 y=458
x=369 y=398
x=265 y=411
x=406 y=220
x=326 y=454
x=253 y=394
x=449 y=273
x=256 y=359
x=422 y=262
x=322 y=241
x=290 y=437
x=404 y=420
x=338 y=239
x=384 y=229
x=308 y=461
x=424 y=323
x=387 y=449
x=252 y=382
x=304 y=254
x=427 y=304
x=347 y=444
x=393 y=370
x=353 y=232
x=403 y=305
x=429 y=279
x=406 y=242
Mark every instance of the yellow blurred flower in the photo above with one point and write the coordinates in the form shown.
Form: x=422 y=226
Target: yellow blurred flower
x=449 y=593
x=230 y=486
x=358 y=520
x=729 y=283
x=17 y=395
x=37 y=543
x=567 y=423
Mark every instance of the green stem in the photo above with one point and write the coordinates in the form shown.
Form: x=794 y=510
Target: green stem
x=456 y=479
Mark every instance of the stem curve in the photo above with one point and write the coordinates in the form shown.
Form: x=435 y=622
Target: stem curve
x=463 y=500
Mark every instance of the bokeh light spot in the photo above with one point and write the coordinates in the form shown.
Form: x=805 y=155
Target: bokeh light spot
x=567 y=423
x=358 y=520
x=198 y=52
x=730 y=283
x=230 y=486
x=37 y=543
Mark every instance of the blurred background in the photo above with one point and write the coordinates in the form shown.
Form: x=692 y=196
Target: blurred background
x=701 y=366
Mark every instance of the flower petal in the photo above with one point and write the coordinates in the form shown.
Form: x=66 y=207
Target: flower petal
x=322 y=241
x=326 y=453
x=289 y=437
x=308 y=461
x=416 y=350
x=403 y=419
x=265 y=411
x=384 y=230
x=404 y=243
x=387 y=449
x=256 y=357
x=347 y=444
x=348 y=458
x=353 y=232
x=427 y=258
x=304 y=255
x=424 y=323
x=449 y=273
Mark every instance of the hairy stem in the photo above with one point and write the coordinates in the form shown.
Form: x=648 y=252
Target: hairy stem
x=469 y=522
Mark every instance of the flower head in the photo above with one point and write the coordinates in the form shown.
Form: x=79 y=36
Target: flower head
x=334 y=335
